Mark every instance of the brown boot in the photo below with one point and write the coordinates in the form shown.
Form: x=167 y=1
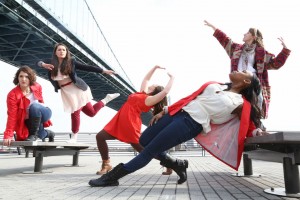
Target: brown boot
x=168 y=171
x=106 y=167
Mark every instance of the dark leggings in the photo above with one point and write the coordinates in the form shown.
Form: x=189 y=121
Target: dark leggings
x=101 y=138
x=89 y=109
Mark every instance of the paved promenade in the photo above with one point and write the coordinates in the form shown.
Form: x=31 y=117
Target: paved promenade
x=208 y=179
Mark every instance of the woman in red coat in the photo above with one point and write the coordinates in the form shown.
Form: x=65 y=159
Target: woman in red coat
x=234 y=109
x=26 y=114
x=126 y=124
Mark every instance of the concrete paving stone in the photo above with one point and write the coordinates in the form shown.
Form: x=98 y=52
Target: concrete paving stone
x=208 y=179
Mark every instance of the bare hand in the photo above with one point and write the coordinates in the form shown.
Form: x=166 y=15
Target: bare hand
x=48 y=66
x=7 y=142
x=159 y=67
x=170 y=75
x=109 y=72
x=209 y=25
x=262 y=133
x=155 y=118
x=282 y=42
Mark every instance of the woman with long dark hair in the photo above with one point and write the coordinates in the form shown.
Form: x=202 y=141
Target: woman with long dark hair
x=75 y=93
x=218 y=118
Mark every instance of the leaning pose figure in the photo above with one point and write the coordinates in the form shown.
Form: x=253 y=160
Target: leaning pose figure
x=26 y=113
x=75 y=93
x=127 y=123
x=252 y=56
x=218 y=116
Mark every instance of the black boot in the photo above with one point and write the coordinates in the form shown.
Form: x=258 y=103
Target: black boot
x=34 y=126
x=179 y=166
x=50 y=135
x=111 y=178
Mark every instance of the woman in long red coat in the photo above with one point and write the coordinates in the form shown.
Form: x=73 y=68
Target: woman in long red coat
x=126 y=124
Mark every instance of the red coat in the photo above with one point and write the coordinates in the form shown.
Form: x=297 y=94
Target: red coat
x=224 y=141
x=17 y=104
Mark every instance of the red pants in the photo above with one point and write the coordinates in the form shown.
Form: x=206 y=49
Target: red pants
x=89 y=109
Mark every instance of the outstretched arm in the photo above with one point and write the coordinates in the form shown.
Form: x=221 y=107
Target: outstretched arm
x=209 y=25
x=145 y=82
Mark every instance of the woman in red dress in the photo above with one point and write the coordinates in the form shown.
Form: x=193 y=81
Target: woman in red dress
x=126 y=124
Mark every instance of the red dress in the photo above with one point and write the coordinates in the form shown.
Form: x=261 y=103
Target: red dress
x=127 y=123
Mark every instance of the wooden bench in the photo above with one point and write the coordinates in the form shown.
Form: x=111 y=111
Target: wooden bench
x=282 y=147
x=44 y=149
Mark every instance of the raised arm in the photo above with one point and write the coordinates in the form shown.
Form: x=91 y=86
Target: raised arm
x=152 y=100
x=206 y=23
x=145 y=82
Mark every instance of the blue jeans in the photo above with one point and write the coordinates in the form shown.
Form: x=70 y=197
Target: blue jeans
x=38 y=110
x=168 y=132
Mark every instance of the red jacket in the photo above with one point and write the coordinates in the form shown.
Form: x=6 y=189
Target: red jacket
x=17 y=104
x=224 y=141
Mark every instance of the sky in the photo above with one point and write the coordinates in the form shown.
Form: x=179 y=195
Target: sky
x=171 y=33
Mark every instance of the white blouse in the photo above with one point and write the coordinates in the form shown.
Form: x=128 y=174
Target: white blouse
x=213 y=105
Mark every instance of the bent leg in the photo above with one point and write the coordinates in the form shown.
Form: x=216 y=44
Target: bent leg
x=101 y=138
x=181 y=129
x=38 y=111
x=152 y=131
x=91 y=110
x=138 y=147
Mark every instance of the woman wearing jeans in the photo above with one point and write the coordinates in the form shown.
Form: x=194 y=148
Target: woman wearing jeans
x=26 y=114
x=211 y=105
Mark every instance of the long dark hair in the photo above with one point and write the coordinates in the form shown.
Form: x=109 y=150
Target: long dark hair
x=251 y=94
x=157 y=108
x=65 y=67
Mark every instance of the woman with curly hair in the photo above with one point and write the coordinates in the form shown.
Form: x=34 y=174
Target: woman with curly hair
x=26 y=113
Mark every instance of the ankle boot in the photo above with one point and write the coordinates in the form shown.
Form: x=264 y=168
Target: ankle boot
x=179 y=166
x=50 y=135
x=34 y=126
x=111 y=178
x=106 y=167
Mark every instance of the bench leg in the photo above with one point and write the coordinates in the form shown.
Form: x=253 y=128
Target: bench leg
x=75 y=158
x=291 y=181
x=247 y=165
x=38 y=164
x=291 y=176
x=19 y=150
x=26 y=153
x=248 y=172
